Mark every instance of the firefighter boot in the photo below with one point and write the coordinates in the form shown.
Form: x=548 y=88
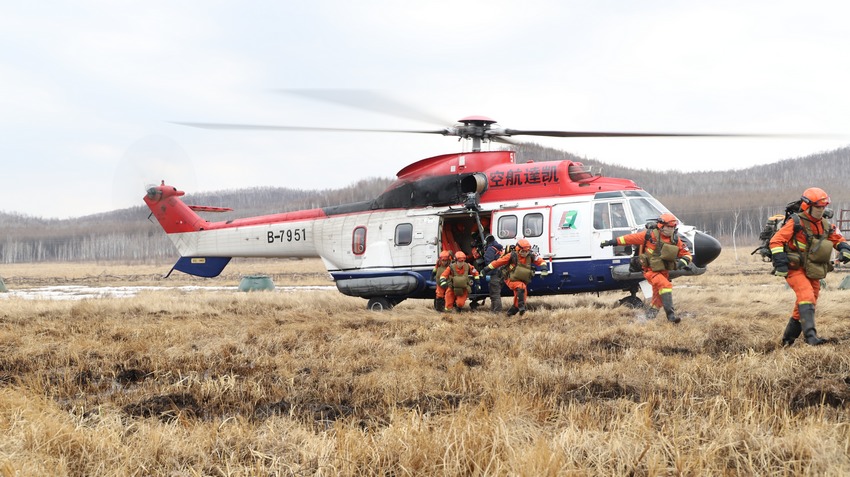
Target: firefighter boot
x=792 y=332
x=651 y=313
x=512 y=311
x=807 y=317
x=439 y=304
x=520 y=296
x=667 y=301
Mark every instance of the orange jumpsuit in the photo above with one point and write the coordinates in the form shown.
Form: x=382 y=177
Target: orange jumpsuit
x=453 y=298
x=439 y=268
x=660 y=281
x=806 y=289
x=513 y=284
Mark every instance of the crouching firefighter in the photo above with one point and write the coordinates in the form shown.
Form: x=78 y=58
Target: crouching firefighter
x=519 y=270
x=443 y=262
x=661 y=250
x=801 y=252
x=459 y=278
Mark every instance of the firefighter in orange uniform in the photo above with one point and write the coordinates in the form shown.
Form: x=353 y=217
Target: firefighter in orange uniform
x=443 y=263
x=458 y=279
x=661 y=250
x=801 y=252
x=520 y=270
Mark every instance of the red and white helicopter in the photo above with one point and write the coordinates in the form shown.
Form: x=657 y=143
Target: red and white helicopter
x=384 y=249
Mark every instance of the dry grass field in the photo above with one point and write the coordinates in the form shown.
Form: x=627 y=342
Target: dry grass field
x=175 y=383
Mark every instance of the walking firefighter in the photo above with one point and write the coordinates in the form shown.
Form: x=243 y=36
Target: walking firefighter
x=802 y=250
x=519 y=266
x=459 y=278
x=661 y=250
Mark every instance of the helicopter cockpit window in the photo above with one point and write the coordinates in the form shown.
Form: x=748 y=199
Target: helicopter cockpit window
x=403 y=234
x=644 y=210
x=358 y=240
x=532 y=225
x=507 y=226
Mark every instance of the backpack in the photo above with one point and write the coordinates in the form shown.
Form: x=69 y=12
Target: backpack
x=775 y=222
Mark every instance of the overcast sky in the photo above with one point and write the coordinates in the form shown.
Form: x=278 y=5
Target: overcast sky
x=89 y=90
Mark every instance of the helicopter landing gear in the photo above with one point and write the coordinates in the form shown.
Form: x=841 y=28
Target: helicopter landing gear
x=382 y=303
x=632 y=301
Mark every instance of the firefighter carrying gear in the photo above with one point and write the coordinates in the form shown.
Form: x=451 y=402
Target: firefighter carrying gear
x=459 y=278
x=801 y=250
x=661 y=250
x=440 y=294
x=519 y=272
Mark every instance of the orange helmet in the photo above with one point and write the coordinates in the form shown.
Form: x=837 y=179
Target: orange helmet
x=667 y=220
x=445 y=255
x=814 y=197
x=523 y=244
x=460 y=256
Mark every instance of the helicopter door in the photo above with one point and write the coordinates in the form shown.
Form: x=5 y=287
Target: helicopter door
x=609 y=222
x=571 y=230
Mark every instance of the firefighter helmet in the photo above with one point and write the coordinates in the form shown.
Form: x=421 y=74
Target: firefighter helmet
x=460 y=256
x=814 y=197
x=668 y=220
x=445 y=255
x=523 y=244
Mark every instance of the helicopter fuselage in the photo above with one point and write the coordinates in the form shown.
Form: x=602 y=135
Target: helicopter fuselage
x=385 y=249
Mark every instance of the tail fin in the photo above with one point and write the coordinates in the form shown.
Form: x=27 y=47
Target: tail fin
x=172 y=213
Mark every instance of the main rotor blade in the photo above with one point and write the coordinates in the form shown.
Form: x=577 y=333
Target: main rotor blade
x=367 y=100
x=263 y=127
x=520 y=132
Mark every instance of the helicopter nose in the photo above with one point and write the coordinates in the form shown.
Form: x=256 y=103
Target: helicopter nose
x=706 y=249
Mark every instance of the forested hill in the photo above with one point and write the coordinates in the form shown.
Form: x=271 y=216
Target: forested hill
x=720 y=203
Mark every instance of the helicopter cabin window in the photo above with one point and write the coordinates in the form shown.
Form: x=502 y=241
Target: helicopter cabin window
x=532 y=225
x=618 y=215
x=601 y=217
x=358 y=240
x=609 y=216
x=507 y=226
x=403 y=234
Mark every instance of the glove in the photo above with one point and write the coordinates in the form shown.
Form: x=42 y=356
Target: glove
x=780 y=264
x=544 y=272
x=443 y=283
x=607 y=243
x=844 y=252
x=682 y=263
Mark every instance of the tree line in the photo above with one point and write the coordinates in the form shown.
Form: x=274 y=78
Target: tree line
x=730 y=205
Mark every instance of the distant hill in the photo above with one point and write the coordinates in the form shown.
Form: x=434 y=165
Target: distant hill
x=718 y=202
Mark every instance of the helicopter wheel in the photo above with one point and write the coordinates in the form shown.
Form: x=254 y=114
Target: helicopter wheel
x=379 y=304
x=631 y=301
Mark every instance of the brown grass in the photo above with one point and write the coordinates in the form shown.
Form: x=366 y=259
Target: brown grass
x=275 y=383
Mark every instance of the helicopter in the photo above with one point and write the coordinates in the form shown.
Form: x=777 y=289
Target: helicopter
x=384 y=249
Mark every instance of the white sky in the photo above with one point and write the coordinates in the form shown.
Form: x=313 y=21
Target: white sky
x=88 y=89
